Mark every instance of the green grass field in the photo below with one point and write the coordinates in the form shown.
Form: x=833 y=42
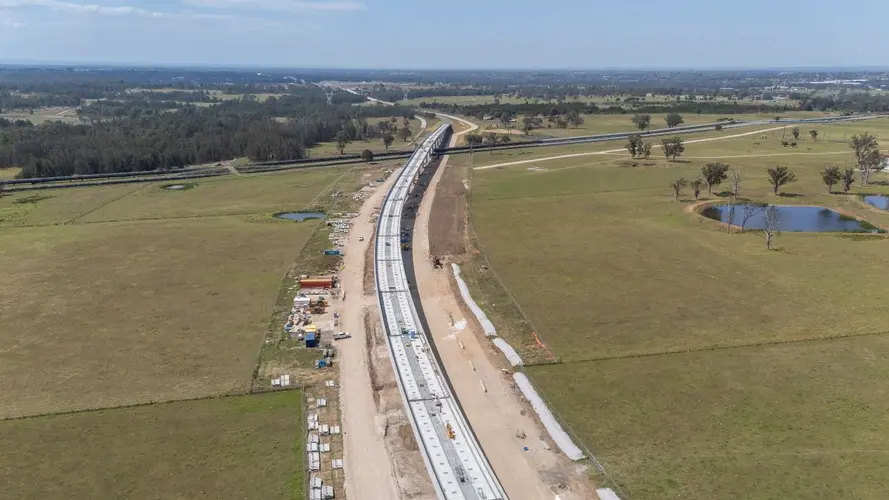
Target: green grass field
x=134 y=293
x=41 y=115
x=696 y=364
x=228 y=448
x=605 y=124
x=124 y=313
x=9 y=173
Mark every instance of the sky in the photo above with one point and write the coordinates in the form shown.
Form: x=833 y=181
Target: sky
x=455 y=34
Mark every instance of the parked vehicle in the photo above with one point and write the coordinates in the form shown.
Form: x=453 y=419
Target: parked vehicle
x=341 y=336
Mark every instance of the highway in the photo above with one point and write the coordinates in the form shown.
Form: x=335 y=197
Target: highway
x=450 y=450
x=689 y=129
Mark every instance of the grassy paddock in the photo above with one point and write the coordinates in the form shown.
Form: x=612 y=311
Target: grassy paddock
x=605 y=124
x=227 y=448
x=785 y=421
x=122 y=313
x=229 y=195
x=619 y=279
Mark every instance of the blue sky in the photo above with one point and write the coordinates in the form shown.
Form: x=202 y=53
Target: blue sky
x=584 y=34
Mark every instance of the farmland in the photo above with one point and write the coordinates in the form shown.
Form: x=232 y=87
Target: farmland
x=228 y=448
x=129 y=306
x=610 y=123
x=694 y=363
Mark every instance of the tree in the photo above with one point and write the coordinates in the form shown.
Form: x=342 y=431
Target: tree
x=527 y=124
x=736 y=183
x=473 y=140
x=367 y=155
x=714 y=174
x=574 y=118
x=404 y=133
x=673 y=147
x=506 y=118
x=491 y=140
x=770 y=224
x=388 y=139
x=749 y=211
x=642 y=120
x=696 y=185
x=718 y=127
x=814 y=134
x=677 y=186
x=646 y=150
x=341 y=141
x=406 y=122
x=847 y=179
x=830 y=176
x=633 y=145
x=505 y=139
x=867 y=153
x=795 y=133
x=779 y=176
x=673 y=119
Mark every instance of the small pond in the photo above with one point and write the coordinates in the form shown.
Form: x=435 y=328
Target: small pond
x=880 y=201
x=299 y=216
x=793 y=218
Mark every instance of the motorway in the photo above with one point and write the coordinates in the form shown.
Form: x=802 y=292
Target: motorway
x=450 y=449
x=689 y=129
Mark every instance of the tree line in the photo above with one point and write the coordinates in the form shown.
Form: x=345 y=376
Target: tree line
x=277 y=129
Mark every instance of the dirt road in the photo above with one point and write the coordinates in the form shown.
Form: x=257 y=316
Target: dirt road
x=369 y=471
x=496 y=414
x=610 y=151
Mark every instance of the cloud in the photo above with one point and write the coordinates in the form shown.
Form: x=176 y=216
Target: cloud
x=75 y=7
x=292 y=6
x=123 y=10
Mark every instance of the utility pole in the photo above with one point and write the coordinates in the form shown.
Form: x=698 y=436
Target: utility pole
x=406 y=91
x=329 y=94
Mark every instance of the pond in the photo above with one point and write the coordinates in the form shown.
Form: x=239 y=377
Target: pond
x=880 y=201
x=793 y=218
x=299 y=216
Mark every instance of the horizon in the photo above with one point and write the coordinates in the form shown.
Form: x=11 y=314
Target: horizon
x=246 y=67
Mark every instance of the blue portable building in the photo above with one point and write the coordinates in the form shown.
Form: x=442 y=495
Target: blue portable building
x=312 y=339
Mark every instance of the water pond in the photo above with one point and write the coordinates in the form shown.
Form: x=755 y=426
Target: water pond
x=880 y=201
x=793 y=218
x=299 y=216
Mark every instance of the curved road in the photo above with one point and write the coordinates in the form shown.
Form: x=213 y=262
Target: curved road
x=451 y=452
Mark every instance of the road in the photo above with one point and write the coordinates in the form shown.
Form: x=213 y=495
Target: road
x=496 y=414
x=451 y=452
x=371 y=474
x=620 y=150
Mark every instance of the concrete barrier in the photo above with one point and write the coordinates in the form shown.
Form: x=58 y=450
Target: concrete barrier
x=553 y=427
x=487 y=326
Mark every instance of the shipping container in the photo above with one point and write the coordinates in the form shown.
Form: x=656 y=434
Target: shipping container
x=311 y=339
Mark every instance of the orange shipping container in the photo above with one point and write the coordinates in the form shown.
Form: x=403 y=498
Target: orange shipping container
x=316 y=283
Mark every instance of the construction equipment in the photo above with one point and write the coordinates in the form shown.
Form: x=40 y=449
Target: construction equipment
x=318 y=307
x=450 y=430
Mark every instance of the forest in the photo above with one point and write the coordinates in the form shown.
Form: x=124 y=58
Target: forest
x=140 y=135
